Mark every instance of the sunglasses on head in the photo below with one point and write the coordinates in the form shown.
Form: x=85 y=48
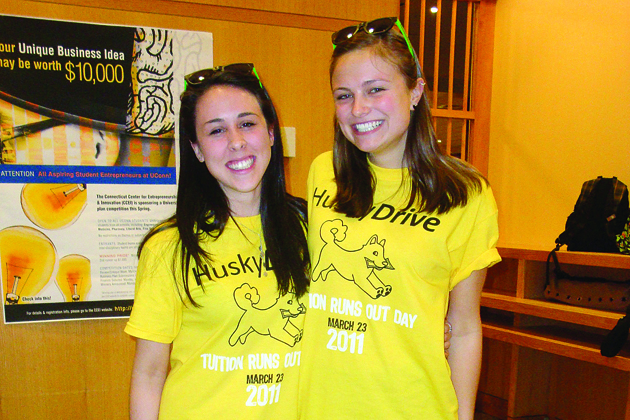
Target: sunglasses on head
x=375 y=27
x=199 y=77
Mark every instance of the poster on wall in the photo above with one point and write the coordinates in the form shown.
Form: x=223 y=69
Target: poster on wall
x=88 y=159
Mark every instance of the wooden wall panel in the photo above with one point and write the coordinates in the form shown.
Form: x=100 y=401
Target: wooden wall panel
x=341 y=9
x=495 y=376
x=210 y=11
x=65 y=370
x=312 y=14
x=81 y=369
x=586 y=391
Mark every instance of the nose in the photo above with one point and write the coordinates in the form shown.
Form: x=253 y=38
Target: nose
x=236 y=141
x=360 y=106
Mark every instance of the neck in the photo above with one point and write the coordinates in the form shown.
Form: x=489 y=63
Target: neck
x=392 y=157
x=387 y=163
x=245 y=207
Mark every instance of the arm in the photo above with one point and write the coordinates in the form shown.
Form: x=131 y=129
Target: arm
x=465 y=351
x=150 y=367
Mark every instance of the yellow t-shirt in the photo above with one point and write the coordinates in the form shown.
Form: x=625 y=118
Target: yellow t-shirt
x=378 y=298
x=238 y=355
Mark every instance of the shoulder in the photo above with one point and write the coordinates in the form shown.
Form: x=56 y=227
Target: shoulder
x=478 y=218
x=322 y=165
x=477 y=189
x=324 y=160
x=483 y=198
x=480 y=207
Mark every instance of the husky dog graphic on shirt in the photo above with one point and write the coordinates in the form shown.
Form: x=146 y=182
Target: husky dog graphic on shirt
x=356 y=265
x=274 y=321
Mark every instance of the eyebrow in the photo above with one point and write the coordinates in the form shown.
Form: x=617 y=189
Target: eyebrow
x=372 y=81
x=364 y=84
x=241 y=115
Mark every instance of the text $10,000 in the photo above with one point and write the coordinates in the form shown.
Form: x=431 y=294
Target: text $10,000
x=101 y=73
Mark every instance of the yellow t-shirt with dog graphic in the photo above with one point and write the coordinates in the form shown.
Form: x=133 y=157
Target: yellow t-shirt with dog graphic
x=379 y=291
x=236 y=356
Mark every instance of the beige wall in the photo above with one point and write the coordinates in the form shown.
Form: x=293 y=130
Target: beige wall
x=560 y=110
x=81 y=369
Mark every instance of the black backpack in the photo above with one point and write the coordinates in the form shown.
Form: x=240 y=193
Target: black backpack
x=599 y=215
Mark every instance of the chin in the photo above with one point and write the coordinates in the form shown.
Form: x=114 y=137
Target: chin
x=366 y=147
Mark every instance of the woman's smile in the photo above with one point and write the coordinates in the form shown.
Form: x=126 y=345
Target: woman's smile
x=367 y=127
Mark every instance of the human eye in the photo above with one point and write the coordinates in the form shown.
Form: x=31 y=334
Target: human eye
x=248 y=124
x=342 y=96
x=377 y=89
x=216 y=131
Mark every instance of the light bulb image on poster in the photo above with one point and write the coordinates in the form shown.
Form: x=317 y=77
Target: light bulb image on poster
x=28 y=258
x=53 y=206
x=73 y=277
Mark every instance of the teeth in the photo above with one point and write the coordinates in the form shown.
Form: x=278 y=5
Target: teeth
x=368 y=126
x=240 y=165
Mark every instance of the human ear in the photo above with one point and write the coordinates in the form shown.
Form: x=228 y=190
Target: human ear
x=416 y=93
x=198 y=153
x=271 y=136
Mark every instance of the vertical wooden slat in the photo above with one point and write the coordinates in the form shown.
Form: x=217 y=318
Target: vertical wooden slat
x=530 y=374
x=447 y=126
x=464 y=141
x=520 y=278
x=436 y=58
x=451 y=75
x=451 y=55
x=449 y=136
x=465 y=98
x=406 y=21
x=482 y=82
x=423 y=10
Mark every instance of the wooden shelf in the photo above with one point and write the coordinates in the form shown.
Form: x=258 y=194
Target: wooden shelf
x=571 y=344
x=536 y=344
x=591 y=259
x=551 y=310
x=528 y=283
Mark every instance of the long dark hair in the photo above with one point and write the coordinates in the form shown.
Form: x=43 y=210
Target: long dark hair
x=438 y=182
x=203 y=208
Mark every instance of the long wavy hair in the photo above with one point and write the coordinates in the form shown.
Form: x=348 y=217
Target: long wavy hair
x=203 y=208
x=438 y=182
